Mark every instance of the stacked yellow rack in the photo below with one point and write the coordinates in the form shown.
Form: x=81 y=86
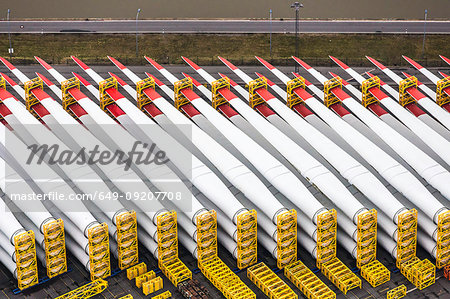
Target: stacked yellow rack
x=127 y=240
x=99 y=256
x=26 y=262
x=247 y=244
x=286 y=238
x=269 y=282
x=329 y=98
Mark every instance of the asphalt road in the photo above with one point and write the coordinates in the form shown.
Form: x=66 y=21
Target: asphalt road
x=224 y=26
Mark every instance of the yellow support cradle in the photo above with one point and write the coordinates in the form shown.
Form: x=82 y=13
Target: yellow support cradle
x=99 y=256
x=375 y=273
x=211 y=265
x=292 y=98
x=152 y=285
x=127 y=240
x=105 y=99
x=307 y=282
x=404 y=97
x=30 y=98
x=247 y=244
x=136 y=270
x=87 y=291
x=217 y=99
x=142 y=98
x=329 y=97
x=268 y=282
x=127 y=297
x=367 y=97
x=168 y=260
x=442 y=97
x=55 y=248
x=144 y=278
x=165 y=295
x=421 y=273
x=67 y=98
x=26 y=262
x=286 y=238
x=443 y=240
x=179 y=98
x=254 y=98
x=397 y=293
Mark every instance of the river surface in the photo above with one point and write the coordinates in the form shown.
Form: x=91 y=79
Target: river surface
x=323 y=9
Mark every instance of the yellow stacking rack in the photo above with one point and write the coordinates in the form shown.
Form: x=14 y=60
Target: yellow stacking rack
x=247 y=244
x=144 y=278
x=165 y=295
x=136 y=270
x=168 y=260
x=286 y=238
x=105 y=99
x=404 y=97
x=217 y=99
x=397 y=293
x=307 y=282
x=329 y=97
x=367 y=97
x=179 y=98
x=26 y=263
x=421 y=273
x=99 y=256
x=442 y=97
x=127 y=242
x=254 y=98
x=269 y=282
x=30 y=98
x=142 y=98
x=67 y=98
x=55 y=248
x=152 y=285
x=443 y=240
x=126 y=297
x=87 y=291
x=339 y=274
x=292 y=98
x=211 y=265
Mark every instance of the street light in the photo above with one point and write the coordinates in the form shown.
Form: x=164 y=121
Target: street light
x=137 y=46
x=296 y=6
x=10 y=49
x=424 y=33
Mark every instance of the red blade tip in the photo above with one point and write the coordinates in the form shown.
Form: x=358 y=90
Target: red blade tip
x=302 y=63
x=227 y=63
x=43 y=63
x=191 y=63
x=154 y=63
x=116 y=63
x=80 y=63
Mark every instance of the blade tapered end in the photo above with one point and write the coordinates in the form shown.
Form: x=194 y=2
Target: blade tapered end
x=154 y=63
x=265 y=63
x=119 y=80
x=412 y=62
x=116 y=63
x=443 y=74
x=157 y=81
x=340 y=63
x=270 y=83
x=445 y=59
x=376 y=63
x=191 y=63
x=80 y=63
x=7 y=64
x=228 y=64
x=232 y=83
x=302 y=63
x=82 y=80
x=195 y=82
x=335 y=75
x=45 y=79
x=8 y=79
x=43 y=63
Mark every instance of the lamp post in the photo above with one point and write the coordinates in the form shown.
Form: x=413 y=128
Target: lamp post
x=270 y=38
x=296 y=6
x=137 y=46
x=10 y=49
x=424 y=33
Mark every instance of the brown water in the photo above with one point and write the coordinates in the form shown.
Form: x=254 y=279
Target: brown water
x=355 y=9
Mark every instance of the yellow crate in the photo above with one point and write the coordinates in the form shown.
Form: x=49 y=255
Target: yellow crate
x=307 y=282
x=153 y=285
x=397 y=293
x=421 y=273
x=144 y=278
x=87 y=291
x=340 y=275
x=164 y=295
x=375 y=273
x=136 y=271
x=268 y=282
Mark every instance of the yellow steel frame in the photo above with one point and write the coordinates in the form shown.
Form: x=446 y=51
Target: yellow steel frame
x=152 y=285
x=165 y=295
x=127 y=240
x=2 y=83
x=397 y=293
x=443 y=240
x=105 y=99
x=366 y=238
x=87 y=291
x=247 y=244
x=211 y=265
x=26 y=262
x=30 y=98
x=99 y=257
x=127 y=297
x=254 y=98
x=142 y=98
x=55 y=248
x=269 y=282
x=367 y=97
x=326 y=236
x=67 y=98
x=286 y=238
x=329 y=97
x=404 y=97
x=136 y=270
x=375 y=273
x=421 y=273
x=340 y=275
x=441 y=97
x=144 y=278
x=217 y=99
x=310 y=285
x=406 y=236
x=292 y=98
x=179 y=99
x=168 y=259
